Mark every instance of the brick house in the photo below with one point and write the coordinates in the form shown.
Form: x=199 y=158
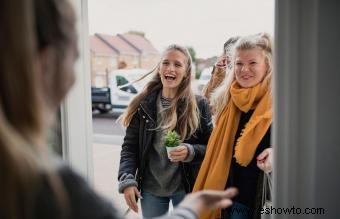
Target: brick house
x=103 y=60
x=121 y=51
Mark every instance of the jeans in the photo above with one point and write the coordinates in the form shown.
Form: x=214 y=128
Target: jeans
x=154 y=206
x=240 y=211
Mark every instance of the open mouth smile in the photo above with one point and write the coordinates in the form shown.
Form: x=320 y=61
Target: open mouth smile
x=170 y=77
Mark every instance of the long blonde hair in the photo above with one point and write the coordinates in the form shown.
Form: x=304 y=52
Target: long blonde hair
x=185 y=122
x=220 y=97
x=23 y=112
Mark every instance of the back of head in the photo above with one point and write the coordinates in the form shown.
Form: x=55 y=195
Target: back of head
x=27 y=28
x=55 y=35
x=19 y=83
x=229 y=44
x=228 y=47
x=23 y=97
x=21 y=119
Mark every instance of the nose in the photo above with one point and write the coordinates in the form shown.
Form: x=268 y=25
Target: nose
x=245 y=68
x=171 y=67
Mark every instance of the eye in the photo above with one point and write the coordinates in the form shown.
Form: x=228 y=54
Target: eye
x=178 y=65
x=253 y=63
x=165 y=63
x=239 y=64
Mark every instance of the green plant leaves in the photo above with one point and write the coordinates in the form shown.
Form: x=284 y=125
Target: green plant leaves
x=172 y=139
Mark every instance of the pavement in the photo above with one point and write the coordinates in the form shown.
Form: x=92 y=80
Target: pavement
x=106 y=163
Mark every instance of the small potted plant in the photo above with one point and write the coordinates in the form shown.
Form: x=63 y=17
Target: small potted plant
x=171 y=141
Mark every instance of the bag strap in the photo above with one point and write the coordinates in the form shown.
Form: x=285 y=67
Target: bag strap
x=266 y=187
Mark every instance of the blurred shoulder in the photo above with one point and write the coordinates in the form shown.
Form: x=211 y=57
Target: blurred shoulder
x=83 y=201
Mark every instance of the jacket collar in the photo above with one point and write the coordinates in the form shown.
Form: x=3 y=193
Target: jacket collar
x=149 y=104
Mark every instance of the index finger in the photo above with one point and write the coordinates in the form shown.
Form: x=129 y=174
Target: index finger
x=262 y=155
x=133 y=203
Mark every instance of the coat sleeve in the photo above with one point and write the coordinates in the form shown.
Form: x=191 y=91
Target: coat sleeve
x=129 y=156
x=217 y=76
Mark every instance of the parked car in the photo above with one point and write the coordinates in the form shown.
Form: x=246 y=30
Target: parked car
x=117 y=96
x=204 y=78
x=101 y=99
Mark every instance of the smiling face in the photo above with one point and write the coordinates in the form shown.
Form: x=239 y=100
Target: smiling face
x=250 y=67
x=172 y=70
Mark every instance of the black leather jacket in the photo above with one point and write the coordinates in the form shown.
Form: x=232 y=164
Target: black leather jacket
x=140 y=135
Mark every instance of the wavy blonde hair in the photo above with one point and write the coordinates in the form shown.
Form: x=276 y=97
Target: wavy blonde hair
x=220 y=97
x=185 y=122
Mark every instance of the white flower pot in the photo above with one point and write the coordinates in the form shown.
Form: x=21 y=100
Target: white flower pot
x=169 y=149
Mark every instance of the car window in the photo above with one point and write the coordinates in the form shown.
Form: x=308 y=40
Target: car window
x=137 y=75
x=122 y=81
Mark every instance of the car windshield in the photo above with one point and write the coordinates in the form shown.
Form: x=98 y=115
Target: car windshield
x=126 y=76
x=137 y=75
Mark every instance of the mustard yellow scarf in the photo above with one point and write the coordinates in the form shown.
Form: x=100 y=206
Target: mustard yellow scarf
x=215 y=167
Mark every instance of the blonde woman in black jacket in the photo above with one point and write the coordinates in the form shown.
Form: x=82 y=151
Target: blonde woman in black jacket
x=166 y=103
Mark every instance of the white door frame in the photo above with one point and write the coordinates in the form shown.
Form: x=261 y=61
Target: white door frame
x=76 y=111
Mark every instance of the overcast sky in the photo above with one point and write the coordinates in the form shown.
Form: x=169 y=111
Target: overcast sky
x=202 y=24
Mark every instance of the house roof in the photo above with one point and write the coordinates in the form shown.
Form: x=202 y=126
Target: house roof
x=138 y=42
x=98 y=46
x=118 y=45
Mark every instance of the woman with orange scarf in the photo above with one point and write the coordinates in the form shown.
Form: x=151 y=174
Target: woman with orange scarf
x=239 y=147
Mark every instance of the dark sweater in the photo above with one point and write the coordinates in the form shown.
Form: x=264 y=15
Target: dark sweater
x=246 y=178
x=162 y=177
